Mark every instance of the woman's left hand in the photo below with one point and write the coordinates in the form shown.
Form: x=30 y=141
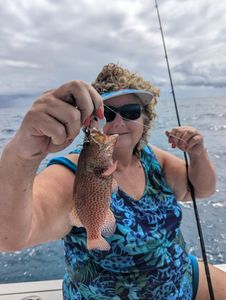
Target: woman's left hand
x=187 y=139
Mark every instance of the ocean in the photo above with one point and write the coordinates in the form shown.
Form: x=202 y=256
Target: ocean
x=208 y=115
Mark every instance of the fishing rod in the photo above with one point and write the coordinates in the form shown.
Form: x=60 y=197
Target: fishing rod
x=191 y=188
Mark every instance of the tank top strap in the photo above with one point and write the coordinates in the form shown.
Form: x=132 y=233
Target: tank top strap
x=154 y=170
x=150 y=161
x=64 y=161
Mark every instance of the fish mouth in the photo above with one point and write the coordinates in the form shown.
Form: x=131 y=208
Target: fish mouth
x=102 y=138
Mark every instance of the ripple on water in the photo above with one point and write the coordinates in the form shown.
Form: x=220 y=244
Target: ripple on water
x=218 y=204
x=8 y=130
x=217 y=127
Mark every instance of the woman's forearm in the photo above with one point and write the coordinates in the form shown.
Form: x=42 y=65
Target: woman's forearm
x=202 y=174
x=16 y=181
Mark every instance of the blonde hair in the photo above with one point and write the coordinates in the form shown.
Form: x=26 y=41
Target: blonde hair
x=113 y=77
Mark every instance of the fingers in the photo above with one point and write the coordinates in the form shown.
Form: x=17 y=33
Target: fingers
x=98 y=103
x=186 y=138
x=56 y=117
x=52 y=129
x=61 y=115
x=82 y=96
x=69 y=117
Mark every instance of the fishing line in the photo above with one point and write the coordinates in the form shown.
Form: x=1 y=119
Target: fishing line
x=192 y=190
x=140 y=123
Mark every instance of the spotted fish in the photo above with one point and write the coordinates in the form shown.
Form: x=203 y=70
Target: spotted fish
x=93 y=188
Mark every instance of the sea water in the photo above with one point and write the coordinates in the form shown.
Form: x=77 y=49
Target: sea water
x=208 y=115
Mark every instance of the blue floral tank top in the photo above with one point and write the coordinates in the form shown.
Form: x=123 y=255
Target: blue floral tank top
x=147 y=259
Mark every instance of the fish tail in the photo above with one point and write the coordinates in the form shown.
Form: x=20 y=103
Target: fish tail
x=98 y=244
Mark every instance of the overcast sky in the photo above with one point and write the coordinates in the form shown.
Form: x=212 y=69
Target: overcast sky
x=45 y=43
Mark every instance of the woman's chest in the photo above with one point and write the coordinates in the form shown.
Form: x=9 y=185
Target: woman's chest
x=132 y=182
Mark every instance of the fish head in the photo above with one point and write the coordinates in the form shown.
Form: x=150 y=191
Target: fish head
x=104 y=143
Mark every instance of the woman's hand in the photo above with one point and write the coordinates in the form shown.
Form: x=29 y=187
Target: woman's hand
x=187 y=139
x=55 y=119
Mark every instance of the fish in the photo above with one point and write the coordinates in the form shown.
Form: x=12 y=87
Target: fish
x=93 y=186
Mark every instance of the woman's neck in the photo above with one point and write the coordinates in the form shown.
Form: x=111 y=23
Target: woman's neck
x=124 y=159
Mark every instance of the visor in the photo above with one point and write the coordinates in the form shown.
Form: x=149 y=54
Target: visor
x=144 y=96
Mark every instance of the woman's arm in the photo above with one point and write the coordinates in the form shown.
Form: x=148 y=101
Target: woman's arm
x=202 y=174
x=201 y=171
x=33 y=209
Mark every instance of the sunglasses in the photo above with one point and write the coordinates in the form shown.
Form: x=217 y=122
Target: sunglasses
x=127 y=112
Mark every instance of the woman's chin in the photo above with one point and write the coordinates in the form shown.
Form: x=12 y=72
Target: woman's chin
x=123 y=144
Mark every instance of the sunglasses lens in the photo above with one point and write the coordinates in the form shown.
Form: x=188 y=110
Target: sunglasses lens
x=109 y=113
x=130 y=111
x=127 y=112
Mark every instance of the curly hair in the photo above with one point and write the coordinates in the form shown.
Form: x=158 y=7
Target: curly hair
x=113 y=77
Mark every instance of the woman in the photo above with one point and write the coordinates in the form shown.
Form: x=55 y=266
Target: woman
x=148 y=258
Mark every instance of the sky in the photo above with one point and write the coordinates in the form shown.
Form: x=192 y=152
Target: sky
x=45 y=43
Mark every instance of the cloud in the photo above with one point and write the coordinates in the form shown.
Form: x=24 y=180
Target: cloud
x=17 y=64
x=194 y=74
x=48 y=42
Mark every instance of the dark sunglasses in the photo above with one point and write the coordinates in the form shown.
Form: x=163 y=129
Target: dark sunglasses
x=127 y=112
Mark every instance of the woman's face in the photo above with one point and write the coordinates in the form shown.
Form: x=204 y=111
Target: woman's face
x=129 y=131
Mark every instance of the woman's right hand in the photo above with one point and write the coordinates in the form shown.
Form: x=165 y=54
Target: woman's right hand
x=55 y=119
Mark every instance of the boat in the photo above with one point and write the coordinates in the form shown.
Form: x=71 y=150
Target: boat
x=35 y=290
x=40 y=290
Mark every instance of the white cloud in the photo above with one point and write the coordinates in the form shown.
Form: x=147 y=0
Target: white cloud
x=17 y=64
x=47 y=42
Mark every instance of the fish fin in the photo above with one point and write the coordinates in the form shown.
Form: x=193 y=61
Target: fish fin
x=109 y=225
x=114 y=188
x=110 y=170
x=98 y=244
x=74 y=219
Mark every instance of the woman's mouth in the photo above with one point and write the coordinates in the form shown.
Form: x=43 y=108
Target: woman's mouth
x=119 y=133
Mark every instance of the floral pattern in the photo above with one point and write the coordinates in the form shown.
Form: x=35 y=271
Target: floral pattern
x=147 y=259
